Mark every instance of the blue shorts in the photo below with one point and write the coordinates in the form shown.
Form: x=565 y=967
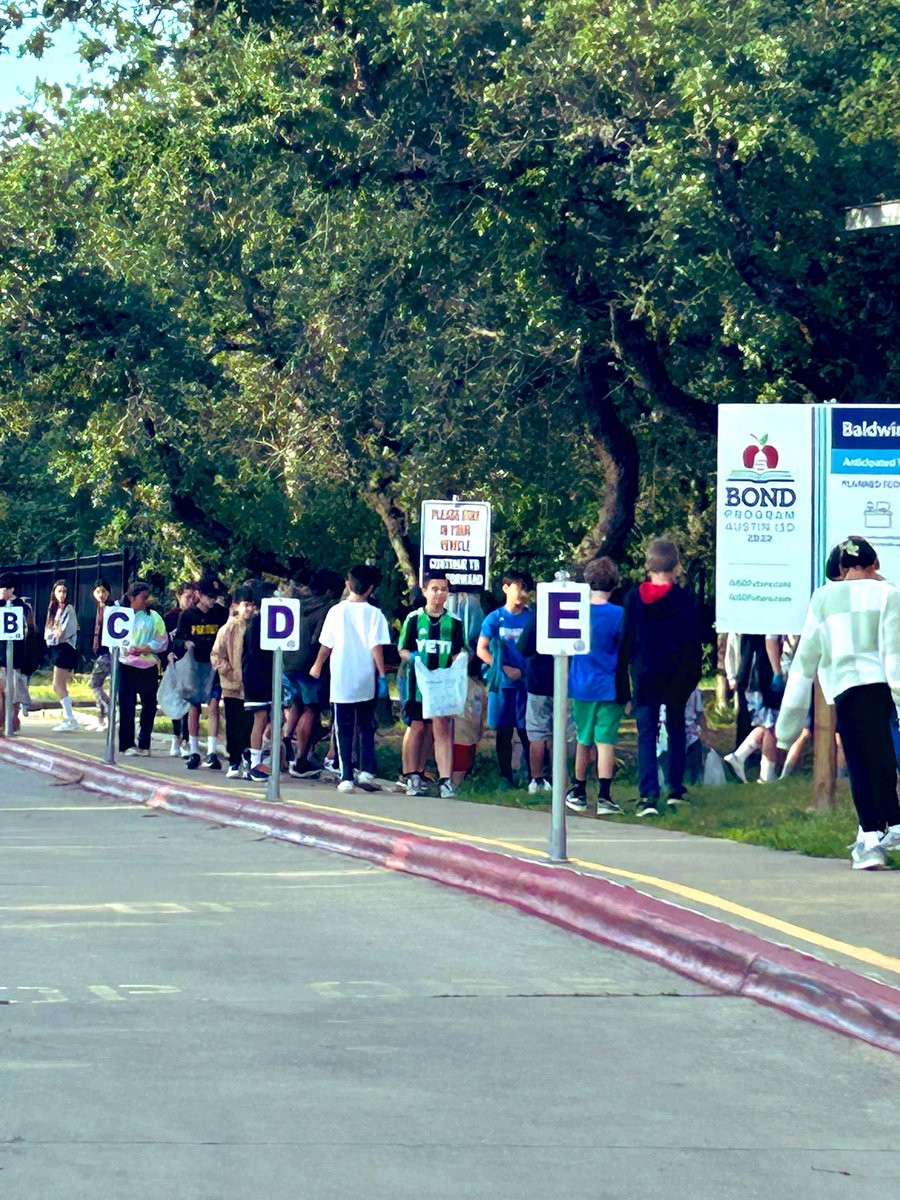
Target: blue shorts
x=301 y=689
x=506 y=708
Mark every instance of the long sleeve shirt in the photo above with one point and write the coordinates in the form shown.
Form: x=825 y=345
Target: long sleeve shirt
x=850 y=638
x=148 y=630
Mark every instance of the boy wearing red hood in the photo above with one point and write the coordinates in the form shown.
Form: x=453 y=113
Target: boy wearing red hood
x=662 y=647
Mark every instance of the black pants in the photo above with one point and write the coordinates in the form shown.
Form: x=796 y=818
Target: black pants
x=134 y=682
x=864 y=723
x=347 y=718
x=238 y=723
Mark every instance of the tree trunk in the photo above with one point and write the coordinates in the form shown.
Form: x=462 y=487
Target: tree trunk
x=395 y=522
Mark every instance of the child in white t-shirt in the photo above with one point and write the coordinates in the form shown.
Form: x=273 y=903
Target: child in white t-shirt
x=352 y=639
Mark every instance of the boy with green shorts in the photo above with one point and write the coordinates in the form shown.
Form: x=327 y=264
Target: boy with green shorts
x=598 y=686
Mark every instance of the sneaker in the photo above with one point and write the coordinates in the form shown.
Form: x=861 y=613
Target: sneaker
x=303 y=768
x=212 y=762
x=174 y=748
x=346 y=785
x=866 y=859
x=329 y=767
x=185 y=750
x=192 y=762
x=414 y=785
x=446 y=790
x=69 y=725
x=737 y=766
x=675 y=802
x=891 y=840
x=539 y=785
x=365 y=777
x=647 y=807
x=131 y=752
x=258 y=774
x=102 y=724
x=234 y=772
x=607 y=808
x=576 y=799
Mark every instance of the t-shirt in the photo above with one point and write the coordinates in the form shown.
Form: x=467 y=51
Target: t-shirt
x=201 y=629
x=509 y=627
x=351 y=631
x=592 y=676
x=438 y=640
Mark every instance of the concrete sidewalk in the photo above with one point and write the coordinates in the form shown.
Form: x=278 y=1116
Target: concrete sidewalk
x=816 y=906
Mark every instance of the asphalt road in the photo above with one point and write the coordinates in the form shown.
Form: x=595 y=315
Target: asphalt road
x=190 y=1013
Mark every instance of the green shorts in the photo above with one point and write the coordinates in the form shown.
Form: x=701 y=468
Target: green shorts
x=597 y=721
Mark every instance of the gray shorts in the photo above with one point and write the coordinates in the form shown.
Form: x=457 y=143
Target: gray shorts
x=204 y=679
x=539 y=720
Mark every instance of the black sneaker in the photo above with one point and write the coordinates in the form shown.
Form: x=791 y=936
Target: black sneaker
x=675 y=801
x=212 y=762
x=647 y=807
x=192 y=762
x=304 y=769
x=607 y=807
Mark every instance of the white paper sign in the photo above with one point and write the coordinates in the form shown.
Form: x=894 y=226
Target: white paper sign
x=766 y=566
x=117 y=623
x=456 y=539
x=12 y=625
x=563 y=618
x=280 y=624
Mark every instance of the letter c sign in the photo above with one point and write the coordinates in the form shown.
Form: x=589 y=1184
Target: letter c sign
x=117 y=623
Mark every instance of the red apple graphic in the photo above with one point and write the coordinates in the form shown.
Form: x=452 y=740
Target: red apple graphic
x=751 y=455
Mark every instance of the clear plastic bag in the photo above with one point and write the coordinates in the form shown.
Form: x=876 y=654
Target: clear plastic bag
x=170 y=696
x=713 y=770
x=444 y=689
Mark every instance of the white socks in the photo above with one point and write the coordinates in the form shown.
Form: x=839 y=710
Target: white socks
x=255 y=757
x=870 y=839
x=212 y=745
x=768 y=771
x=68 y=712
x=194 y=745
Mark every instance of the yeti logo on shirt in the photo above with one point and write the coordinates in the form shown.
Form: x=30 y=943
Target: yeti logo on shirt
x=433 y=646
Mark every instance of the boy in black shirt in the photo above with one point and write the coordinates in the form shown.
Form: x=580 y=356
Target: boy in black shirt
x=197 y=630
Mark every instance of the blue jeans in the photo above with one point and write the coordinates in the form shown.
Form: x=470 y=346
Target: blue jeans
x=647 y=718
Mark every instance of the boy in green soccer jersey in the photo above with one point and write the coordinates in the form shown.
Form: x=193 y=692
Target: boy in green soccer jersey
x=434 y=637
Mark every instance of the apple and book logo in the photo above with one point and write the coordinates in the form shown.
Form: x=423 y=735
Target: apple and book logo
x=760 y=462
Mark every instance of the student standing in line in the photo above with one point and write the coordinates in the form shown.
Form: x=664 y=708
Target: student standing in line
x=226 y=658
x=102 y=660
x=851 y=642
x=15 y=691
x=352 y=641
x=433 y=637
x=185 y=598
x=139 y=671
x=197 y=630
x=661 y=644
x=61 y=637
x=598 y=686
x=498 y=646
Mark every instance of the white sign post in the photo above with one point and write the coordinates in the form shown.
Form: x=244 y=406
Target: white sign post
x=12 y=630
x=563 y=629
x=115 y=632
x=456 y=539
x=279 y=630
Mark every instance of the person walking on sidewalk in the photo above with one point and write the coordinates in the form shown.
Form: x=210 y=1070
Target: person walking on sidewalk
x=662 y=645
x=61 y=637
x=352 y=641
x=851 y=642
x=139 y=671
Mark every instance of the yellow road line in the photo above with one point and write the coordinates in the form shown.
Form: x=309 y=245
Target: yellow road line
x=864 y=954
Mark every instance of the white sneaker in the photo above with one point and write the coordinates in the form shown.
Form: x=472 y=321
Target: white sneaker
x=414 y=785
x=365 y=777
x=69 y=725
x=234 y=773
x=174 y=748
x=131 y=752
x=737 y=766
x=866 y=859
x=539 y=785
x=185 y=750
x=329 y=767
x=346 y=785
x=891 y=840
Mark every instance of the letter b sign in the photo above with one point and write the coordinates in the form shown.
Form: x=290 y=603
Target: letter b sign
x=12 y=625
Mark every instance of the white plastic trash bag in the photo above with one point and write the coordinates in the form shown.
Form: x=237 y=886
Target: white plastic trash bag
x=443 y=689
x=713 y=769
x=170 y=697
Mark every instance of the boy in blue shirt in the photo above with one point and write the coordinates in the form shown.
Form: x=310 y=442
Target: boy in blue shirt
x=598 y=687
x=499 y=646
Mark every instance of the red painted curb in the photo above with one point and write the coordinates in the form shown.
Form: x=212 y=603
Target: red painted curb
x=699 y=947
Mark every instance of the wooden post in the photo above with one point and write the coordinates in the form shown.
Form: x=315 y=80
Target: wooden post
x=824 y=753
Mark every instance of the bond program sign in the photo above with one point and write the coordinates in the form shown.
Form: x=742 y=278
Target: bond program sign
x=456 y=539
x=765 y=569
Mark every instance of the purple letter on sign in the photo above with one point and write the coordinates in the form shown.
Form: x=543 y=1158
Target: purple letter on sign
x=281 y=622
x=562 y=616
x=114 y=623
x=10 y=622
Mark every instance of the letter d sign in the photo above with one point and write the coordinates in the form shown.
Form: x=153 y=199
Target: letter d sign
x=280 y=624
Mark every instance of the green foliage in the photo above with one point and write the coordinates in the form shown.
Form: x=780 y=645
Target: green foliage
x=285 y=270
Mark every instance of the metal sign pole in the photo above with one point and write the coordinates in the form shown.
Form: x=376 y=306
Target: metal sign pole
x=273 y=788
x=560 y=766
x=10 y=690
x=110 y=755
